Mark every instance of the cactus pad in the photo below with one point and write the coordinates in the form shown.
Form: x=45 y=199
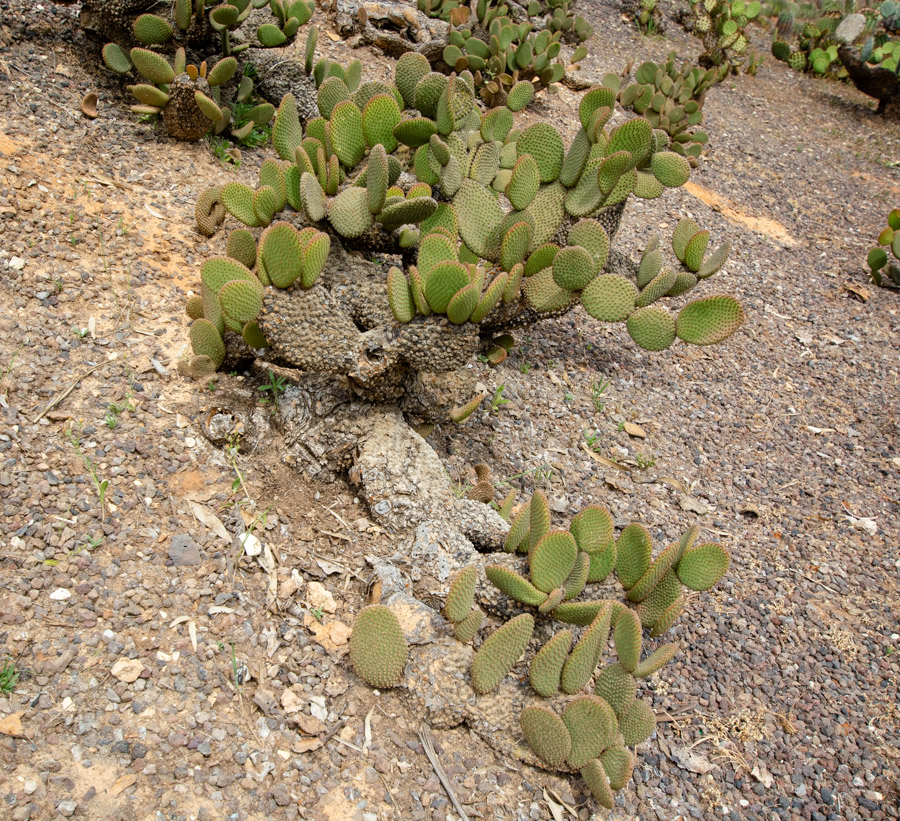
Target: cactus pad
x=378 y=648
x=634 y=549
x=655 y=661
x=514 y=585
x=543 y=142
x=627 y=638
x=461 y=595
x=206 y=341
x=499 y=653
x=617 y=687
x=609 y=298
x=595 y=777
x=464 y=631
x=552 y=559
x=546 y=666
x=709 y=320
x=585 y=655
x=637 y=723
x=619 y=765
x=546 y=734
x=592 y=726
x=701 y=567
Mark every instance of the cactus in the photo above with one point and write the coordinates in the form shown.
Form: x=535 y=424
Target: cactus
x=720 y=26
x=883 y=272
x=499 y=653
x=378 y=648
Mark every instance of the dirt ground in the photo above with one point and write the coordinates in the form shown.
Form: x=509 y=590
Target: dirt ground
x=155 y=683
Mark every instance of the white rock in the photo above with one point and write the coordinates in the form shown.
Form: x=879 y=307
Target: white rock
x=318 y=596
x=252 y=545
x=16 y=263
x=127 y=670
x=60 y=594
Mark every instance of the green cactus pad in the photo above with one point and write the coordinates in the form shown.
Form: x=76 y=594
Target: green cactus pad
x=222 y=72
x=695 y=250
x=520 y=95
x=464 y=301
x=265 y=204
x=656 y=288
x=333 y=91
x=671 y=169
x=428 y=92
x=442 y=282
x=659 y=600
x=313 y=197
x=411 y=211
x=524 y=182
x=515 y=245
x=585 y=655
x=280 y=250
x=684 y=282
x=270 y=36
x=253 y=336
x=578 y=576
x=554 y=597
x=500 y=652
x=153 y=66
x=206 y=341
x=490 y=298
x=546 y=734
x=701 y=567
x=655 y=573
x=618 y=762
x=347 y=133
x=241 y=302
x=518 y=530
x=652 y=328
x=349 y=212
x=668 y=617
x=434 y=248
x=682 y=234
x=415 y=132
x=149 y=95
x=464 y=631
x=647 y=187
x=637 y=723
x=539 y=518
x=543 y=294
x=552 y=559
x=651 y=265
x=486 y=164
x=271 y=174
x=709 y=320
x=238 y=200
x=496 y=125
x=592 y=727
x=400 y=297
x=479 y=215
x=574 y=268
x=617 y=687
x=546 y=667
x=593 y=532
x=208 y=106
x=461 y=595
x=594 y=775
x=194 y=307
x=377 y=179
x=462 y=412
x=543 y=142
x=116 y=59
x=380 y=117
x=633 y=551
x=596 y=98
x=378 y=648
x=219 y=271
x=656 y=660
x=514 y=585
x=547 y=211
x=410 y=68
x=627 y=638
x=540 y=259
x=609 y=297
x=634 y=136
x=591 y=235
x=714 y=261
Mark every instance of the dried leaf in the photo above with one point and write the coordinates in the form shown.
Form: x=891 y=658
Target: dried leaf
x=761 y=774
x=367 y=727
x=306 y=745
x=123 y=782
x=192 y=632
x=12 y=725
x=693 y=505
x=635 y=430
x=205 y=516
x=219 y=608
x=694 y=762
x=858 y=290
x=309 y=725
x=603 y=460
x=153 y=212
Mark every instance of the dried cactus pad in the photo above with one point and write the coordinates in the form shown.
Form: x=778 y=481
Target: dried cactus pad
x=378 y=648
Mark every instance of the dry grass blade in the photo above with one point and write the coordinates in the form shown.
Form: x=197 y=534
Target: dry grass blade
x=603 y=460
x=428 y=746
x=62 y=395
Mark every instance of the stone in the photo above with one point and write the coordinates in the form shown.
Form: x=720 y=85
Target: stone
x=127 y=670
x=850 y=28
x=183 y=551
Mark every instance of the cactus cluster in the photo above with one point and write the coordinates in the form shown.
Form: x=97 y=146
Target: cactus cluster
x=592 y=732
x=191 y=100
x=231 y=288
x=720 y=26
x=810 y=46
x=883 y=271
x=188 y=97
x=502 y=54
x=646 y=14
x=671 y=98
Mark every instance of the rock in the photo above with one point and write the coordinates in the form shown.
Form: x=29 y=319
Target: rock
x=60 y=594
x=183 y=551
x=850 y=28
x=67 y=807
x=318 y=597
x=127 y=670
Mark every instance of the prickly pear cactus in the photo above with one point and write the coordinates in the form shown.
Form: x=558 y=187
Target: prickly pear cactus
x=720 y=26
x=885 y=272
x=482 y=228
x=576 y=731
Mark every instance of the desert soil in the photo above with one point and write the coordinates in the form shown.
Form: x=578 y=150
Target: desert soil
x=156 y=683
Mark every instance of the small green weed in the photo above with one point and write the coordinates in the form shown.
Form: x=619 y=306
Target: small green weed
x=644 y=462
x=9 y=677
x=525 y=367
x=497 y=401
x=273 y=389
x=597 y=391
x=100 y=485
